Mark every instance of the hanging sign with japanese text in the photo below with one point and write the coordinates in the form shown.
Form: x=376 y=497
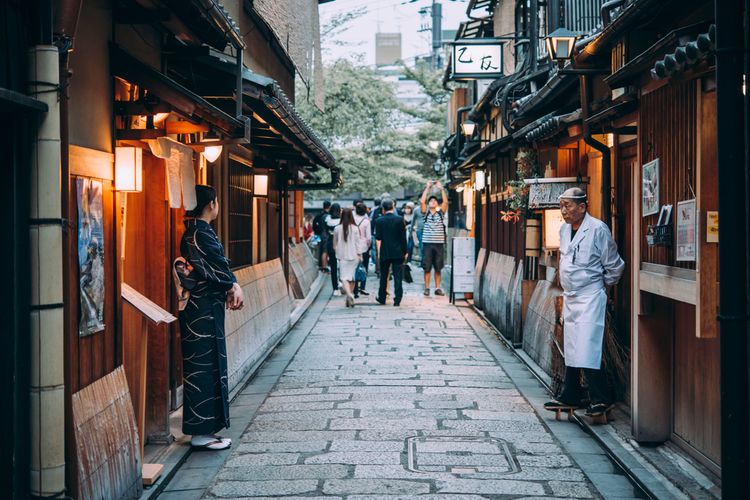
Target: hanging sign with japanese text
x=477 y=58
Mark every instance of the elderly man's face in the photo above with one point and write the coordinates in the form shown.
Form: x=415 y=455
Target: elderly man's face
x=572 y=211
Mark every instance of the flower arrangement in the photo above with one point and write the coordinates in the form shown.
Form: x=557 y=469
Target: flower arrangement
x=516 y=190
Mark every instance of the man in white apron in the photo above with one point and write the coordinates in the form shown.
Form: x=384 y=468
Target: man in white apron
x=589 y=267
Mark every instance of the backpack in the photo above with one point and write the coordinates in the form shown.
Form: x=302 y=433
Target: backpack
x=318 y=224
x=442 y=221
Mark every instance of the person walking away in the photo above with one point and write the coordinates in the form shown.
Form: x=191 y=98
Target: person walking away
x=391 y=243
x=213 y=289
x=363 y=224
x=433 y=235
x=376 y=214
x=589 y=267
x=409 y=220
x=319 y=228
x=346 y=242
x=331 y=221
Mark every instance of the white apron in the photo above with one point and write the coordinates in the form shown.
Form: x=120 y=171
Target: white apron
x=586 y=262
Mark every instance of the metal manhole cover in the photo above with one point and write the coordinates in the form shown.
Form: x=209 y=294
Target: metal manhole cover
x=474 y=456
x=420 y=323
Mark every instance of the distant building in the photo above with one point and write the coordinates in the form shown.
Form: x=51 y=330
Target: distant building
x=387 y=48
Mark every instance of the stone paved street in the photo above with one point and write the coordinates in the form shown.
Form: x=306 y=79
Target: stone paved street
x=384 y=401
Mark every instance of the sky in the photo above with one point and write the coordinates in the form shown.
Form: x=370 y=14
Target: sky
x=386 y=16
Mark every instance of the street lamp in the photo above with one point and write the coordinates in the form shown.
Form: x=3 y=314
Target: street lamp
x=560 y=44
x=467 y=127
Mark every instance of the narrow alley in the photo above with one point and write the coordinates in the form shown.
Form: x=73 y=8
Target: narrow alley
x=377 y=400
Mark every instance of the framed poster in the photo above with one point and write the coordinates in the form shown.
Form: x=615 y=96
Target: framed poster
x=686 y=231
x=90 y=255
x=650 y=188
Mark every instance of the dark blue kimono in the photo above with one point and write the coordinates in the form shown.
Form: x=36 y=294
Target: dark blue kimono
x=204 y=350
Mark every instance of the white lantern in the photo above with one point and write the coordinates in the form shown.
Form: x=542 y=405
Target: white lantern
x=260 y=185
x=128 y=169
x=479 y=180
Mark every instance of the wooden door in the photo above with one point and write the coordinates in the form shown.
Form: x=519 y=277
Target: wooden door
x=145 y=267
x=627 y=158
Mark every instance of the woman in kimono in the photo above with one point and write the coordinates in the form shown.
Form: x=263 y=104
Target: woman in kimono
x=204 y=351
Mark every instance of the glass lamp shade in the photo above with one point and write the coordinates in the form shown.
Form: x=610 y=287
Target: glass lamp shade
x=560 y=44
x=260 y=185
x=128 y=169
x=212 y=153
x=467 y=127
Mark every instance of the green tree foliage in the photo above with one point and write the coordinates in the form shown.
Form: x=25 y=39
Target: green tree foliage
x=361 y=127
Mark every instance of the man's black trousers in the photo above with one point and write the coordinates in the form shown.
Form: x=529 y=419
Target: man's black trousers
x=599 y=390
x=397 y=268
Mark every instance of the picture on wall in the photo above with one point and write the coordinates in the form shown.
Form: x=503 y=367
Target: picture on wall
x=686 y=231
x=90 y=255
x=650 y=188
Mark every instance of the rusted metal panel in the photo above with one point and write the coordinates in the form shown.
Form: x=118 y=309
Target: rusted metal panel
x=106 y=439
x=304 y=270
x=539 y=327
x=257 y=327
x=479 y=277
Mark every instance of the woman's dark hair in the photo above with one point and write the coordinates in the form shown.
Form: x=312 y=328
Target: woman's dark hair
x=335 y=211
x=203 y=195
x=347 y=220
x=361 y=208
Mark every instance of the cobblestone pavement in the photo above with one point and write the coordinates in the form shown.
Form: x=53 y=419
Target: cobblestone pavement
x=384 y=401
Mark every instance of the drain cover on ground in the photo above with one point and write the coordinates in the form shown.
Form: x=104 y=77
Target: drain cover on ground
x=464 y=456
x=420 y=323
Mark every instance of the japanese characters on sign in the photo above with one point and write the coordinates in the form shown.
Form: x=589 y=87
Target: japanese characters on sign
x=477 y=58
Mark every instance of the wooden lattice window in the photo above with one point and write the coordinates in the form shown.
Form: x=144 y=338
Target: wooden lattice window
x=240 y=214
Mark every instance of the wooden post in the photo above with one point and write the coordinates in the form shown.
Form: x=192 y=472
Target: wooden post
x=148 y=311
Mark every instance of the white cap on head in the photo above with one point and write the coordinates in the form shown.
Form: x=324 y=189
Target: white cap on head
x=574 y=193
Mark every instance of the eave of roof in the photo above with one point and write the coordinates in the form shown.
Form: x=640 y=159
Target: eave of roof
x=555 y=86
x=268 y=93
x=628 y=17
x=183 y=101
x=645 y=60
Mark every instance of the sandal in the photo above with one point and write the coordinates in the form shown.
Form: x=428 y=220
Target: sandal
x=218 y=443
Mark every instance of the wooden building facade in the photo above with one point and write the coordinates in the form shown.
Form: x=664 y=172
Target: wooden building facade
x=638 y=129
x=149 y=99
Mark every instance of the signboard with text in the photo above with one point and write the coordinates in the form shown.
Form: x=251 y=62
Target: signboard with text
x=480 y=58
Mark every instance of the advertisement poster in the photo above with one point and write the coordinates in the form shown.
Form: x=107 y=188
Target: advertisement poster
x=686 y=231
x=90 y=255
x=650 y=189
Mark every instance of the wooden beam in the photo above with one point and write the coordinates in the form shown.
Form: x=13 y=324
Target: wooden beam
x=185 y=127
x=672 y=287
x=140 y=108
x=139 y=134
x=707 y=200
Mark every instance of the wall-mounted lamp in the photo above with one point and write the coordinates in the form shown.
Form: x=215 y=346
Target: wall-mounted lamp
x=479 y=180
x=467 y=127
x=560 y=45
x=128 y=169
x=260 y=185
x=211 y=153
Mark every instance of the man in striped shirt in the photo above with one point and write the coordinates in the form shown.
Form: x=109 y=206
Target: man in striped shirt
x=433 y=235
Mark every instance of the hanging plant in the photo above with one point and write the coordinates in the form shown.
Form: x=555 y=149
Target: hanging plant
x=516 y=190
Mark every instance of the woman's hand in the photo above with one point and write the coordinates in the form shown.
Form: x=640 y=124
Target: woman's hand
x=235 y=298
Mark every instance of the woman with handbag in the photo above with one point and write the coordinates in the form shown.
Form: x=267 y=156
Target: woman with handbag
x=347 y=246
x=365 y=232
x=213 y=288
